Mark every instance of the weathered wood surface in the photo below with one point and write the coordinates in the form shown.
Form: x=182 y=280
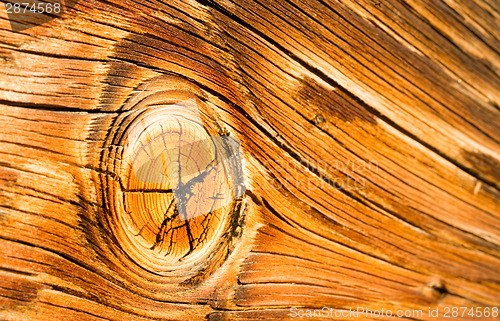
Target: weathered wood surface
x=370 y=135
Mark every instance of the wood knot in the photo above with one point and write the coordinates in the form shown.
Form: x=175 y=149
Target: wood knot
x=436 y=289
x=319 y=119
x=176 y=189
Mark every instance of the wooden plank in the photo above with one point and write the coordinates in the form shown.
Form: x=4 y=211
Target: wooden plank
x=370 y=143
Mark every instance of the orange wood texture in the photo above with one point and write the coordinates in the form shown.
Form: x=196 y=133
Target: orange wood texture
x=370 y=152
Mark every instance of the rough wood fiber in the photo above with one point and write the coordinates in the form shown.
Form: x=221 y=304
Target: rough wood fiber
x=370 y=136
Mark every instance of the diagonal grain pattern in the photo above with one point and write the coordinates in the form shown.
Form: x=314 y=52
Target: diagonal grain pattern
x=404 y=91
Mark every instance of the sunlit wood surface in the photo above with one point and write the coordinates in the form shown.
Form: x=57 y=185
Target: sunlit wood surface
x=370 y=155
